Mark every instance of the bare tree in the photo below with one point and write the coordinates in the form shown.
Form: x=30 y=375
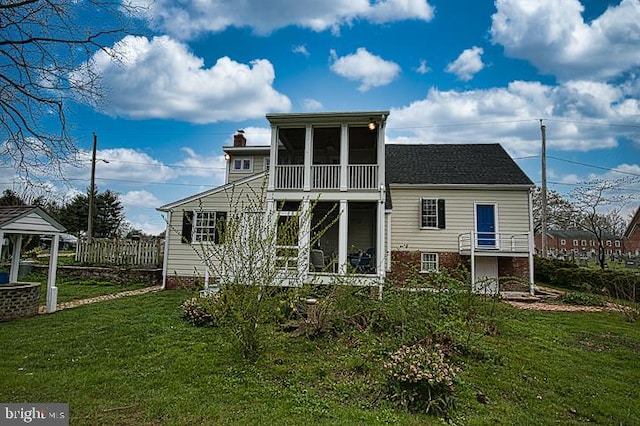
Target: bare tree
x=41 y=43
x=253 y=250
x=559 y=211
x=597 y=208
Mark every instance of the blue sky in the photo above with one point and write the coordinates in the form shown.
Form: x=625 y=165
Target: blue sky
x=450 y=71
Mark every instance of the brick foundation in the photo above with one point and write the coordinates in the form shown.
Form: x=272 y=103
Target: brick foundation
x=177 y=282
x=405 y=268
x=405 y=265
x=513 y=267
x=19 y=300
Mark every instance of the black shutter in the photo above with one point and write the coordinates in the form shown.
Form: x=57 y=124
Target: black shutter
x=441 y=223
x=221 y=223
x=187 y=226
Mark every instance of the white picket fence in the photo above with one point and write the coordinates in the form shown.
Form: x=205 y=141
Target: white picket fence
x=121 y=252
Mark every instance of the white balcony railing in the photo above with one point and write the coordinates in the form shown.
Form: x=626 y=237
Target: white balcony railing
x=325 y=176
x=363 y=176
x=289 y=177
x=494 y=242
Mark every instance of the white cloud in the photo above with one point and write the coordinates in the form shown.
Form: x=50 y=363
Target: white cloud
x=188 y=19
x=553 y=36
x=312 y=105
x=301 y=49
x=194 y=164
x=256 y=136
x=121 y=164
x=510 y=116
x=370 y=70
x=423 y=68
x=468 y=64
x=139 y=199
x=161 y=78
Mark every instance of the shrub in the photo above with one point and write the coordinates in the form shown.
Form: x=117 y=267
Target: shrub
x=623 y=285
x=583 y=299
x=204 y=311
x=420 y=379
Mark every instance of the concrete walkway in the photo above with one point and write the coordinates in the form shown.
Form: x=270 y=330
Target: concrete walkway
x=80 y=302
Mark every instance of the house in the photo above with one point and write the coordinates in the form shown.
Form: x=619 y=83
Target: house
x=453 y=204
x=578 y=243
x=432 y=205
x=631 y=235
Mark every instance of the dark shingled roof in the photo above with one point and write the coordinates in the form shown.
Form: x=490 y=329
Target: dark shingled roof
x=487 y=164
x=461 y=164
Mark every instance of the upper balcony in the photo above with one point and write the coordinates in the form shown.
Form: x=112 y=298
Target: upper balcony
x=327 y=152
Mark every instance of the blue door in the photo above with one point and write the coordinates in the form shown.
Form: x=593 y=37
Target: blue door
x=486 y=225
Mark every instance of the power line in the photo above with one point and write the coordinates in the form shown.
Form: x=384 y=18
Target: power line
x=595 y=123
x=594 y=166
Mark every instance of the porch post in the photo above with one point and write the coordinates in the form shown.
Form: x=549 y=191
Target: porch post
x=15 y=259
x=308 y=157
x=273 y=155
x=344 y=157
x=52 y=290
x=473 y=260
x=343 y=236
x=304 y=240
x=380 y=244
x=532 y=290
x=531 y=237
x=165 y=256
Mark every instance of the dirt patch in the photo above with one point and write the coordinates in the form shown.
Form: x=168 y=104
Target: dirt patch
x=544 y=306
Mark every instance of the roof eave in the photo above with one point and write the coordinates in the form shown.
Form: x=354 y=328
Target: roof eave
x=484 y=186
x=171 y=206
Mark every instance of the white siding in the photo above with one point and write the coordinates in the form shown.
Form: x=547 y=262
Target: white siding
x=257 y=166
x=512 y=211
x=32 y=223
x=182 y=258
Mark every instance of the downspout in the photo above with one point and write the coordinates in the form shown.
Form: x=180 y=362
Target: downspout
x=166 y=251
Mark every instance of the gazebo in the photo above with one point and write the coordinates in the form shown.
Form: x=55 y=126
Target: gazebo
x=18 y=221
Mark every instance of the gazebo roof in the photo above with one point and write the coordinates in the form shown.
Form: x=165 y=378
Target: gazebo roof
x=28 y=220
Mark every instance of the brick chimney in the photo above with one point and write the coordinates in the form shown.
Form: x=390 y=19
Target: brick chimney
x=239 y=139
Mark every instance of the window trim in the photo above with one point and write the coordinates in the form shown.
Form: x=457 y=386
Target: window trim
x=218 y=237
x=440 y=213
x=436 y=263
x=233 y=168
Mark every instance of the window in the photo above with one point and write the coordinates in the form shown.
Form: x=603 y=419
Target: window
x=584 y=243
x=608 y=243
x=240 y=165
x=617 y=243
x=203 y=226
x=575 y=242
x=429 y=262
x=563 y=242
x=432 y=213
x=287 y=240
x=266 y=164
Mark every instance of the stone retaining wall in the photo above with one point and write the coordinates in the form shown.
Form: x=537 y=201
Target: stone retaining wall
x=19 y=300
x=115 y=274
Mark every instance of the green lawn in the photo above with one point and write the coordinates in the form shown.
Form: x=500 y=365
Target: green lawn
x=133 y=361
x=74 y=289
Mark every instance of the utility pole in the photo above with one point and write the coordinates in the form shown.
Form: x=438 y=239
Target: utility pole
x=543 y=213
x=92 y=189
